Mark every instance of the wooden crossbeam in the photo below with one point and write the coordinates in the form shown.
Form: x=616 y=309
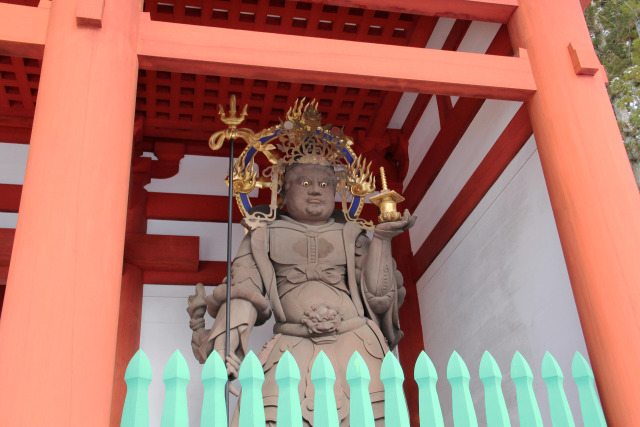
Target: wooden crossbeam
x=208 y=273
x=164 y=253
x=189 y=207
x=23 y=30
x=514 y=136
x=6 y=245
x=247 y=54
x=10 y=197
x=477 y=10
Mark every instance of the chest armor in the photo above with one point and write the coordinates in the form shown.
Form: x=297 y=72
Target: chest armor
x=289 y=246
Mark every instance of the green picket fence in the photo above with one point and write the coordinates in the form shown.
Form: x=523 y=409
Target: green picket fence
x=214 y=377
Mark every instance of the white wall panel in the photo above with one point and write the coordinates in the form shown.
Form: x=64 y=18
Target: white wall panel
x=484 y=130
x=440 y=33
x=197 y=175
x=478 y=37
x=501 y=285
x=8 y=220
x=13 y=163
x=402 y=110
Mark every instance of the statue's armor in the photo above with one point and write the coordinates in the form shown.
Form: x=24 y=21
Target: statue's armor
x=310 y=278
x=310 y=268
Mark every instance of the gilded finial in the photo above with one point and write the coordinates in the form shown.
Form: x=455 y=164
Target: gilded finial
x=232 y=132
x=386 y=201
x=232 y=121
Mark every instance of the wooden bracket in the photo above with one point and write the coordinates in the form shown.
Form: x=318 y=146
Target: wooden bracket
x=584 y=60
x=89 y=13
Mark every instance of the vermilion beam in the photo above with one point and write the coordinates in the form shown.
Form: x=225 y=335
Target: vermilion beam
x=517 y=132
x=165 y=253
x=208 y=273
x=189 y=207
x=6 y=245
x=248 y=54
x=23 y=30
x=477 y=10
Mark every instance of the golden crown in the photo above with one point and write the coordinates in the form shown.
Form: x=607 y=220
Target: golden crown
x=300 y=139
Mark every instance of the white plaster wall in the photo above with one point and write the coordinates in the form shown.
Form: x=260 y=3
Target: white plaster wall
x=501 y=285
x=13 y=164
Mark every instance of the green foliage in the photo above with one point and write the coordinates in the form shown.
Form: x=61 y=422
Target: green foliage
x=615 y=31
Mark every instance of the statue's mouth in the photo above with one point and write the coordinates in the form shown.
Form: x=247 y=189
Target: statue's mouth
x=314 y=201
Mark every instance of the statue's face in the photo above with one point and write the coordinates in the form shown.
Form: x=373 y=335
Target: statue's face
x=310 y=193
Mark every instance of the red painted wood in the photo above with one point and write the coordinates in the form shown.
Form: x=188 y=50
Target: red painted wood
x=23 y=30
x=416 y=112
x=6 y=245
x=189 y=207
x=16 y=135
x=413 y=342
x=481 y=10
x=457 y=33
x=517 y=132
x=129 y=325
x=10 y=197
x=444 y=107
x=593 y=195
x=2 y=288
x=452 y=42
x=156 y=252
x=130 y=310
x=168 y=46
x=209 y=273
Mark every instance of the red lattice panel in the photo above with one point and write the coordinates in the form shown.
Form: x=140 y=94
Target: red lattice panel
x=179 y=105
x=297 y=18
x=19 y=79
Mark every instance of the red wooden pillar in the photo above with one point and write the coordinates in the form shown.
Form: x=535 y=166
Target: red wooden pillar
x=60 y=314
x=130 y=315
x=412 y=343
x=593 y=194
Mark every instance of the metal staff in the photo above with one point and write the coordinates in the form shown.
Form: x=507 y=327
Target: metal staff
x=227 y=328
x=215 y=142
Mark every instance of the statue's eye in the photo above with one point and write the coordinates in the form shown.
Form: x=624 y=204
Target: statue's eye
x=324 y=184
x=306 y=183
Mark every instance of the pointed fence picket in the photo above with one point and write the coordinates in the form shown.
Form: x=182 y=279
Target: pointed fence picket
x=214 y=377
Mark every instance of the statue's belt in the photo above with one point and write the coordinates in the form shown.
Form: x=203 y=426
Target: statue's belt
x=300 y=330
x=301 y=273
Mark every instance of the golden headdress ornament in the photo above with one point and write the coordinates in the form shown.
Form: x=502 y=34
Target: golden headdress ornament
x=300 y=139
